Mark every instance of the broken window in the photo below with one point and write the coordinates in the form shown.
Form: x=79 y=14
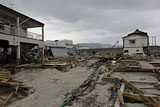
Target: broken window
x=126 y=51
x=1 y=24
x=24 y=28
x=132 y=41
x=139 y=54
x=7 y=23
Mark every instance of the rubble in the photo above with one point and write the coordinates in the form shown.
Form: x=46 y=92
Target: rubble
x=95 y=81
x=8 y=81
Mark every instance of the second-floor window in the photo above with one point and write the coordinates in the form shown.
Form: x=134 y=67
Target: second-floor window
x=132 y=42
x=1 y=24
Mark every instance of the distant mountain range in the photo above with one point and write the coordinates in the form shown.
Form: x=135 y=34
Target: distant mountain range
x=89 y=45
x=48 y=42
x=94 y=45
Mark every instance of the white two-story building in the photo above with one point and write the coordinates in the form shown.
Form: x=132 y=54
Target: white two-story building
x=136 y=43
x=14 y=30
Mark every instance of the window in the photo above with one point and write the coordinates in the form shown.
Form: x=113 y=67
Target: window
x=126 y=51
x=139 y=54
x=132 y=41
x=137 y=50
x=7 y=23
x=24 y=28
x=1 y=25
x=67 y=44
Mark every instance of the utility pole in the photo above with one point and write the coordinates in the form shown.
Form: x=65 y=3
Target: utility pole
x=152 y=41
x=155 y=45
x=155 y=40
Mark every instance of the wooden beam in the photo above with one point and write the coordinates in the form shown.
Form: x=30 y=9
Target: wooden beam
x=13 y=84
x=157 y=85
x=138 y=91
x=7 y=99
x=109 y=79
x=129 y=85
x=133 y=96
x=120 y=100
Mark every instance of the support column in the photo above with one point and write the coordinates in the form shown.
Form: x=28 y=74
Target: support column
x=17 y=26
x=43 y=54
x=43 y=33
x=43 y=42
x=18 y=54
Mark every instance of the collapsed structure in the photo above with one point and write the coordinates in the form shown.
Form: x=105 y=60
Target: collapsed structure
x=95 y=79
x=14 y=32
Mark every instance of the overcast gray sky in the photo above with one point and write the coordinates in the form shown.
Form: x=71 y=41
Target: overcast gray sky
x=92 y=21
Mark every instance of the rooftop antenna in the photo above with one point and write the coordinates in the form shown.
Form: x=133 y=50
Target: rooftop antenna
x=11 y=5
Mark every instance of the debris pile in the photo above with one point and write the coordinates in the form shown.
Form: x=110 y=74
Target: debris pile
x=14 y=86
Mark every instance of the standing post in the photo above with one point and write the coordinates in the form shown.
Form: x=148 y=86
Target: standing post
x=18 y=53
x=43 y=33
x=17 y=26
x=18 y=47
x=152 y=41
x=155 y=46
x=43 y=43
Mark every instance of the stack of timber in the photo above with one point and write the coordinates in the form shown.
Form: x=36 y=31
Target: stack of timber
x=7 y=80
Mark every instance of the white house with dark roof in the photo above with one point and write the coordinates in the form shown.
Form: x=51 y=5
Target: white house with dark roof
x=136 y=43
x=14 y=30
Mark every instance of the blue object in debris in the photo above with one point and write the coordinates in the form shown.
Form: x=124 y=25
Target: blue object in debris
x=71 y=52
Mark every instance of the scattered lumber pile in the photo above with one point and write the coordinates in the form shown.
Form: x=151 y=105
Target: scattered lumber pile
x=133 y=93
x=58 y=65
x=7 y=80
x=150 y=101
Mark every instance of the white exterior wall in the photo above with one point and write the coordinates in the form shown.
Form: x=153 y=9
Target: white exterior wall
x=63 y=43
x=133 y=51
x=7 y=29
x=140 y=42
x=15 y=40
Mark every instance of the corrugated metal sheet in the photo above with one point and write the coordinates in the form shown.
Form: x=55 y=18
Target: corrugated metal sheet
x=59 y=52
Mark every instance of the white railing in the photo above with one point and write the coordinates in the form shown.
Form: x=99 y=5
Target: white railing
x=34 y=36
x=31 y=35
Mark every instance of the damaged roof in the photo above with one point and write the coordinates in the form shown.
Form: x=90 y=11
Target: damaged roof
x=137 y=32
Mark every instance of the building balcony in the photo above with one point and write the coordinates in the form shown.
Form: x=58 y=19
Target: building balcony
x=12 y=31
x=36 y=36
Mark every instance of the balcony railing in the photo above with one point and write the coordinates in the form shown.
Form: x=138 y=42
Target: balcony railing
x=13 y=32
x=34 y=36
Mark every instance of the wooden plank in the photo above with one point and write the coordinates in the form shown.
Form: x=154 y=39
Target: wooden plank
x=109 y=79
x=133 y=96
x=157 y=85
x=129 y=85
x=120 y=96
x=109 y=73
x=7 y=99
x=137 y=97
x=13 y=84
x=138 y=91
